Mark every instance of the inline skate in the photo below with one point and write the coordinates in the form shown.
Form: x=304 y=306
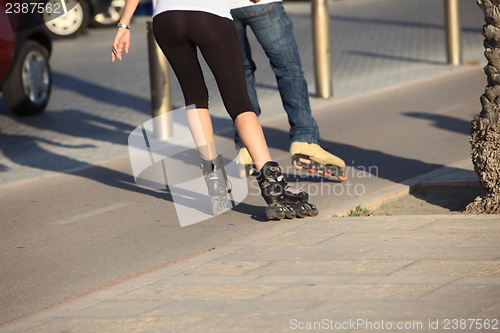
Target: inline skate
x=283 y=201
x=314 y=159
x=219 y=188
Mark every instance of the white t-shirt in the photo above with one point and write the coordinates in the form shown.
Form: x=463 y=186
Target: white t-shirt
x=216 y=7
x=244 y=3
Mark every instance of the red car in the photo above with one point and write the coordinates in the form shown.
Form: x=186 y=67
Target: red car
x=25 y=47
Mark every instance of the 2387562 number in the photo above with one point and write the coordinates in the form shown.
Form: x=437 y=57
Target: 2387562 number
x=35 y=7
x=478 y=324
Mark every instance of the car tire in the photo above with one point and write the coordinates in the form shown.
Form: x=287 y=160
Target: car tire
x=111 y=16
x=26 y=90
x=74 y=22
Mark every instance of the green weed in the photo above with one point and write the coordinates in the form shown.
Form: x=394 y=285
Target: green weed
x=359 y=211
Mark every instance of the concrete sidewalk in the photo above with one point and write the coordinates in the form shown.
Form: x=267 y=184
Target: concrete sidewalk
x=402 y=273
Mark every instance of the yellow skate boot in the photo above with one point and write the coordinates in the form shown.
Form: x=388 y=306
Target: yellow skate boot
x=314 y=159
x=245 y=162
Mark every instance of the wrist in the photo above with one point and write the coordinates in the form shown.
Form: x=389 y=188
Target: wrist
x=125 y=26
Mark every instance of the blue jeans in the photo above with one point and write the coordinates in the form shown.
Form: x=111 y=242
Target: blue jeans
x=274 y=31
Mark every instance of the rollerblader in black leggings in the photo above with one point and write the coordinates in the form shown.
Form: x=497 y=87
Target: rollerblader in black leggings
x=183 y=27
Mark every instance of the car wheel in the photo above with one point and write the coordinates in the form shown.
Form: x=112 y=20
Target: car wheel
x=27 y=89
x=111 y=16
x=73 y=22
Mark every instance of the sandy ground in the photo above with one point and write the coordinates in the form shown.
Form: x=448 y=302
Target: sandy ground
x=428 y=200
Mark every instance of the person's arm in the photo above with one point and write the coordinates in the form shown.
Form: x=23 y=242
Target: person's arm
x=122 y=37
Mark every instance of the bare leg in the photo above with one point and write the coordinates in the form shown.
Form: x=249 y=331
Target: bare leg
x=252 y=136
x=200 y=125
x=248 y=126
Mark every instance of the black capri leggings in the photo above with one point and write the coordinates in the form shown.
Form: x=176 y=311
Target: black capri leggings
x=178 y=33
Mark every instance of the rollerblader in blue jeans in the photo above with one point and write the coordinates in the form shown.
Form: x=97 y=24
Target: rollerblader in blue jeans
x=273 y=29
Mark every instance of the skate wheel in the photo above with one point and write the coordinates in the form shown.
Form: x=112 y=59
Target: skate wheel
x=312 y=170
x=274 y=213
x=301 y=210
x=219 y=204
x=341 y=177
x=313 y=213
x=215 y=206
x=296 y=165
x=301 y=213
x=290 y=214
x=312 y=210
x=335 y=172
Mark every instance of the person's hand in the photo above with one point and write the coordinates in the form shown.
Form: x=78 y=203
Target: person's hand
x=255 y=1
x=121 y=42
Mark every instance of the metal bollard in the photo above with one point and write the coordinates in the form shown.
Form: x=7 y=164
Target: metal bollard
x=453 y=32
x=159 y=76
x=322 y=49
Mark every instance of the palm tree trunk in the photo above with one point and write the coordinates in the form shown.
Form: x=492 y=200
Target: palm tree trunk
x=485 y=134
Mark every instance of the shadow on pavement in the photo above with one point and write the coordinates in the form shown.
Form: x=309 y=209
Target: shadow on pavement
x=101 y=93
x=50 y=161
x=398 y=23
x=448 y=123
x=392 y=57
x=360 y=20
x=27 y=150
x=386 y=166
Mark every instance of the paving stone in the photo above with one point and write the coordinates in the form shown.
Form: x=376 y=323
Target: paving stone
x=226 y=309
x=200 y=292
x=299 y=238
x=306 y=279
x=204 y=280
x=263 y=236
x=115 y=325
x=116 y=309
x=293 y=252
x=396 y=238
x=352 y=292
x=265 y=324
x=392 y=279
x=466 y=224
x=478 y=280
x=413 y=252
x=458 y=293
x=225 y=267
x=453 y=268
x=393 y=310
x=333 y=267
x=490 y=312
x=482 y=239
x=352 y=224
